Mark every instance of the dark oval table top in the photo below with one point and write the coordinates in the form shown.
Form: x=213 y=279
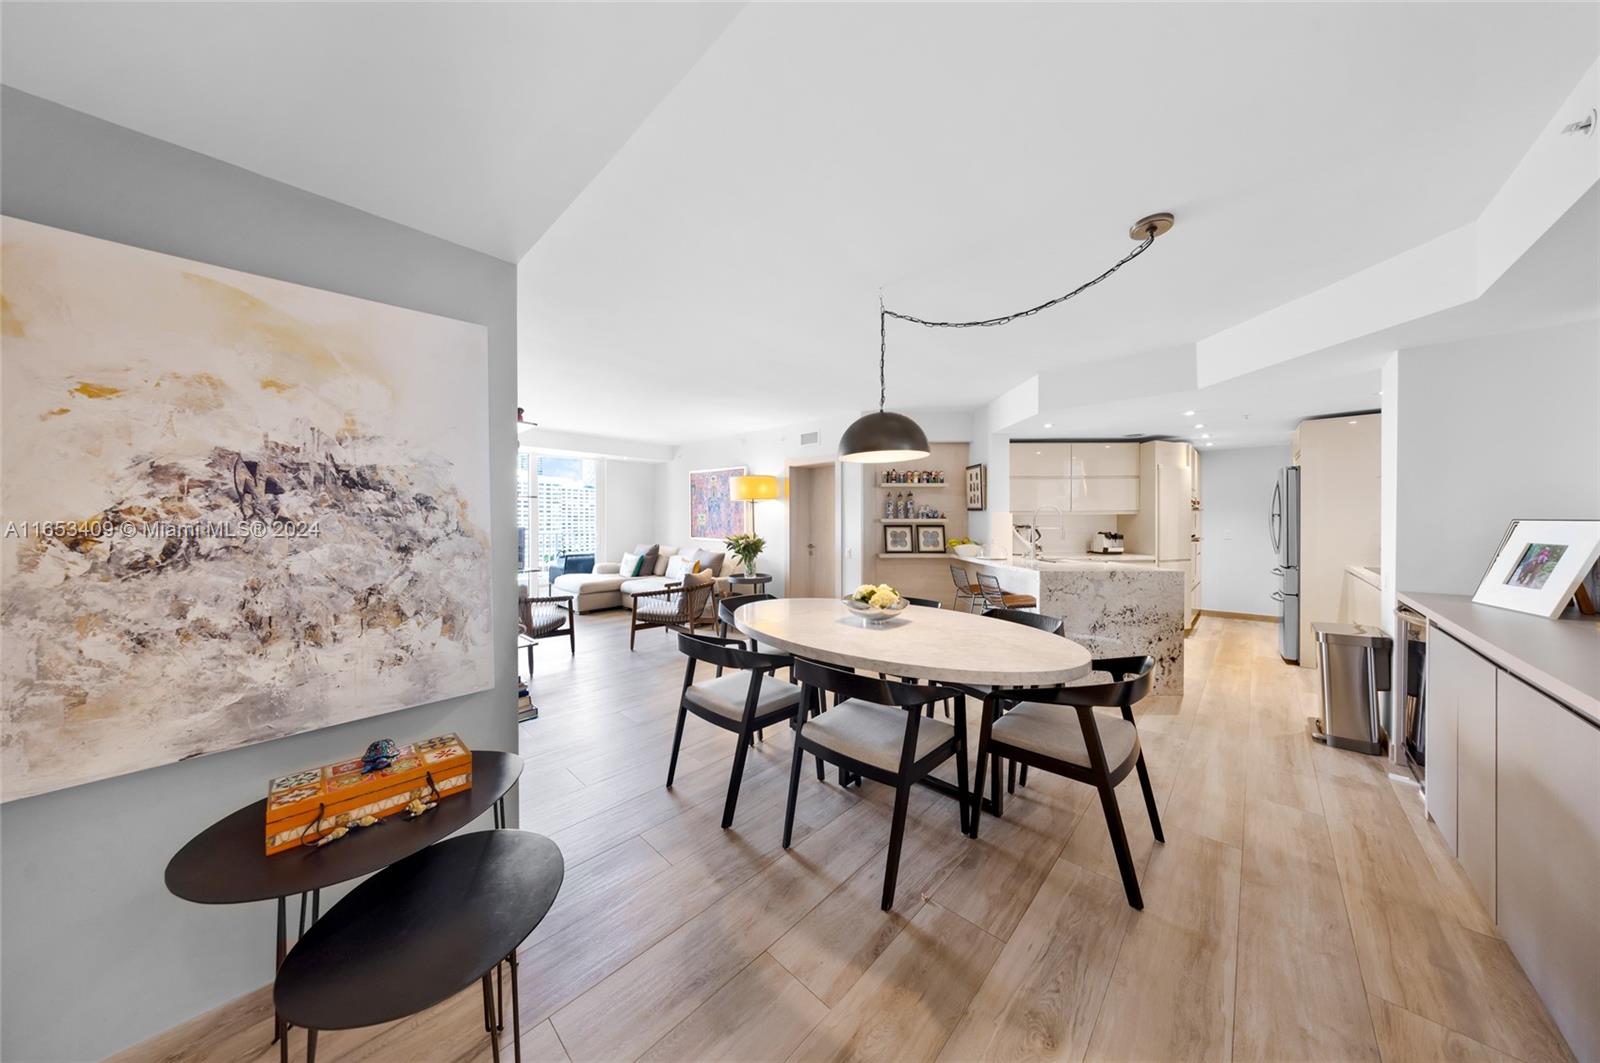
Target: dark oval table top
x=420 y=931
x=227 y=863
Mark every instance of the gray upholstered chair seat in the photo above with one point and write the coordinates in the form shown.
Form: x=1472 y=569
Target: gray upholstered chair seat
x=726 y=695
x=873 y=734
x=1054 y=731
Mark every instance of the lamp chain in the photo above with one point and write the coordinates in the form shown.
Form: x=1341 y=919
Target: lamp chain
x=885 y=313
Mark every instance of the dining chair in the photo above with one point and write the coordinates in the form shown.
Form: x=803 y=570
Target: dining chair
x=875 y=730
x=966 y=590
x=995 y=597
x=1084 y=745
x=740 y=702
x=725 y=610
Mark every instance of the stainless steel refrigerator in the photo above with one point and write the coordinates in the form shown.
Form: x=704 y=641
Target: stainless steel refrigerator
x=1283 y=527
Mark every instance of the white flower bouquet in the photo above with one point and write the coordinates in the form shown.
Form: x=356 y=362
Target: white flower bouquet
x=875 y=602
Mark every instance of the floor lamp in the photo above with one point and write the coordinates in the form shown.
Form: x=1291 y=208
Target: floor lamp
x=753 y=489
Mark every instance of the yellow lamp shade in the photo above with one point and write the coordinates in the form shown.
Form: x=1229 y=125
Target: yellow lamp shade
x=753 y=488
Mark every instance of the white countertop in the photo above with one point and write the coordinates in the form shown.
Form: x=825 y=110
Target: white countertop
x=1366 y=574
x=1560 y=657
x=1066 y=561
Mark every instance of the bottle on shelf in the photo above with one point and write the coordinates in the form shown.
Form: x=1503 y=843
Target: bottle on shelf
x=888 y=506
x=911 y=504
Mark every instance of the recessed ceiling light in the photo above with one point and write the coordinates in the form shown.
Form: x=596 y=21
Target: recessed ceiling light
x=1355 y=422
x=1047 y=424
x=1199 y=426
x=1380 y=392
x=1205 y=435
x=1210 y=444
x=1038 y=452
x=1188 y=413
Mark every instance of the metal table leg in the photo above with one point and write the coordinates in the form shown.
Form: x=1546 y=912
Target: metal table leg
x=283 y=950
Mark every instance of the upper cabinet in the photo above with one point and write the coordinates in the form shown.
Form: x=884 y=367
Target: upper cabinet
x=1105 y=459
x=1076 y=477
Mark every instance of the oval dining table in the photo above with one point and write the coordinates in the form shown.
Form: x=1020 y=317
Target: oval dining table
x=935 y=645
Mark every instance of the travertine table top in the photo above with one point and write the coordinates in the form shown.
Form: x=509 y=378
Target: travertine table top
x=943 y=645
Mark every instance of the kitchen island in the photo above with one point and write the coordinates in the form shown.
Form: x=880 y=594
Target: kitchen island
x=1115 y=608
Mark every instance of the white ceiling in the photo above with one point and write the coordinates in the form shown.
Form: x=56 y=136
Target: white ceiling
x=1556 y=282
x=476 y=122
x=973 y=160
x=715 y=194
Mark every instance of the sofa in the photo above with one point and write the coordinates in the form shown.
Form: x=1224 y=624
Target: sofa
x=607 y=588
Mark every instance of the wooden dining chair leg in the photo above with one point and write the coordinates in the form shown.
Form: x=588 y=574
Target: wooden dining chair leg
x=897 y=834
x=1011 y=776
x=961 y=762
x=1022 y=776
x=739 y=751
x=311 y=1046
x=1119 y=843
x=677 y=740
x=794 y=789
x=1149 y=798
x=995 y=797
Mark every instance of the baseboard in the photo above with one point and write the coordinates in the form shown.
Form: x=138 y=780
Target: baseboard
x=1224 y=615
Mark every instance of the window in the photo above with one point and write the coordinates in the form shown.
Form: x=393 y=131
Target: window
x=557 y=509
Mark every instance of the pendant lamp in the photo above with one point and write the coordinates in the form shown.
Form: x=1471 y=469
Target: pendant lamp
x=883 y=437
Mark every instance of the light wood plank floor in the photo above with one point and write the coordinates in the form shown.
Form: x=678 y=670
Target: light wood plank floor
x=1302 y=907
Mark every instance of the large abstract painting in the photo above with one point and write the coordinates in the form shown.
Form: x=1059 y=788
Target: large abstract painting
x=713 y=514
x=234 y=509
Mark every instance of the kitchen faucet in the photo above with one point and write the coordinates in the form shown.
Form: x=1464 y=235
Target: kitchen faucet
x=1038 y=532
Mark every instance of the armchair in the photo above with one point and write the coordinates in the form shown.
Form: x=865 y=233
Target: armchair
x=546 y=617
x=682 y=607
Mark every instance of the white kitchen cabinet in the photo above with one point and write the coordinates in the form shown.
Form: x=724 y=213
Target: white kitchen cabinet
x=1105 y=494
x=1030 y=492
x=1041 y=459
x=1549 y=854
x=1447 y=662
x=1105 y=459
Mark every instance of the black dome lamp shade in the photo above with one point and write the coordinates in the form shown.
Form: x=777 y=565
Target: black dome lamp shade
x=884 y=436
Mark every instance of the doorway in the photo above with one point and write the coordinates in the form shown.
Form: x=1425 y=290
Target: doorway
x=813 y=532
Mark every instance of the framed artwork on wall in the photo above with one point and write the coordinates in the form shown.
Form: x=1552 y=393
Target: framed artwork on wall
x=713 y=514
x=930 y=539
x=243 y=509
x=1540 y=565
x=977 y=488
x=897 y=539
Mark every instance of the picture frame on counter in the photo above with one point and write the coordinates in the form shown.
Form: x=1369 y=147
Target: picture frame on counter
x=1540 y=565
x=930 y=539
x=899 y=539
x=977 y=488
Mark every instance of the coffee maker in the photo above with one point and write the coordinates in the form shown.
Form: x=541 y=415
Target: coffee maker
x=1106 y=543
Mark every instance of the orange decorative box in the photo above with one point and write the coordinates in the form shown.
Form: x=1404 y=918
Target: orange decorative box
x=306 y=805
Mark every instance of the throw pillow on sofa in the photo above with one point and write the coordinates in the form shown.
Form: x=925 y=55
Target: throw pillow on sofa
x=648 y=552
x=679 y=566
x=630 y=565
x=665 y=554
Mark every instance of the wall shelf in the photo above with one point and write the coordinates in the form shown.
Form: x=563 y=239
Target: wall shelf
x=902 y=487
x=917 y=557
x=913 y=520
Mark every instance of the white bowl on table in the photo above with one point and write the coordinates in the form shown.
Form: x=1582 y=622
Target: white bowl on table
x=967 y=550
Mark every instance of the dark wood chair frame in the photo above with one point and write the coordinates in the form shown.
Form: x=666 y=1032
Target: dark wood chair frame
x=1120 y=693
x=528 y=604
x=690 y=611
x=729 y=653
x=819 y=679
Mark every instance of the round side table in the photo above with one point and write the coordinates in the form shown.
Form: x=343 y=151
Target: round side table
x=755 y=581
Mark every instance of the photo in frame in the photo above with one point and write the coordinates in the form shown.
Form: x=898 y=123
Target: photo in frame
x=977 y=488
x=930 y=539
x=1539 y=565
x=897 y=539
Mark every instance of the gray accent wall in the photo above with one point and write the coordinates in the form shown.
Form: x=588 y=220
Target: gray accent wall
x=96 y=955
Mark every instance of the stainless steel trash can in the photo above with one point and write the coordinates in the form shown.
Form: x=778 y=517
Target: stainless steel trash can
x=1356 y=677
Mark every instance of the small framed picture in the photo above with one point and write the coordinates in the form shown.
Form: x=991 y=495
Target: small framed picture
x=977 y=488
x=930 y=539
x=1539 y=565
x=897 y=539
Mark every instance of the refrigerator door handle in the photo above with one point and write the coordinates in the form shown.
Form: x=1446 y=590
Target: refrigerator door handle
x=1274 y=516
x=1277 y=596
x=1277 y=570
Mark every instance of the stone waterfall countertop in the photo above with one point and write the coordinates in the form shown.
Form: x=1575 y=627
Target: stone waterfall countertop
x=1113 y=608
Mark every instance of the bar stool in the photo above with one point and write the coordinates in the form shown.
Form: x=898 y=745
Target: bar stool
x=966 y=590
x=995 y=598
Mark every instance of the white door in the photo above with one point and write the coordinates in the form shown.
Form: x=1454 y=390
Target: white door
x=813 y=547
